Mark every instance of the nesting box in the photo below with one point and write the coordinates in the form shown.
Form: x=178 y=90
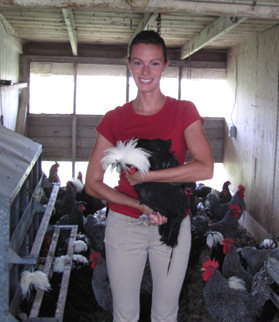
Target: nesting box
x=20 y=176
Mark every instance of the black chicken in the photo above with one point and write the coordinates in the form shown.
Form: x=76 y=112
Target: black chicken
x=95 y=231
x=217 y=209
x=219 y=246
x=166 y=198
x=65 y=202
x=229 y=225
x=225 y=194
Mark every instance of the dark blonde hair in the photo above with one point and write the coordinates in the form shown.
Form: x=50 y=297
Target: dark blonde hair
x=148 y=37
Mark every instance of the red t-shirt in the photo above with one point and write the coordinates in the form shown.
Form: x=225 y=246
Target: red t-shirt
x=123 y=124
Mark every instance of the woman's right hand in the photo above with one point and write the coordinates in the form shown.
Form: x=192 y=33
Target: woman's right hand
x=155 y=217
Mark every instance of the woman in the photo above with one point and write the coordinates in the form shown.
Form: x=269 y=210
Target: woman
x=151 y=115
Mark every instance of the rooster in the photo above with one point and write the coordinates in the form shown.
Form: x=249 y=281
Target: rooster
x=217 y=209
x=229 y=225
x=225 y=303
x=170 y=200
x=225 y=194
x=219 y=246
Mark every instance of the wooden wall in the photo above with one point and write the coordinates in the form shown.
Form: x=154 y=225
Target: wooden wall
x=71 y=137
x=251 y=158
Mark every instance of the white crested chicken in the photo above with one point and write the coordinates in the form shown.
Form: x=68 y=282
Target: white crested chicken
x=166 y=198
x=225 y=303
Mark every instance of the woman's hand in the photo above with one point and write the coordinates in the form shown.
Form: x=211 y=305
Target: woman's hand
x=155 y=217
x=135 y=177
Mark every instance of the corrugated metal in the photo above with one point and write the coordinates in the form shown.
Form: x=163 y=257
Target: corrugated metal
x=18 y=155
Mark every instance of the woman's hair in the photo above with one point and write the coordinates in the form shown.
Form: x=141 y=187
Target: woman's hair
x=148 y=37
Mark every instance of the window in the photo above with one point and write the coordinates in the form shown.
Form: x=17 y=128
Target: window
x=207 y=93
x=51 y=88
x=100 y=88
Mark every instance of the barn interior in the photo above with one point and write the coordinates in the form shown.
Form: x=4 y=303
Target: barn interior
x=232 y=40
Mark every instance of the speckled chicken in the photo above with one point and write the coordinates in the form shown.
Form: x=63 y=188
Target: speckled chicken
x=232 y=267
x=100 y=281
x=254 y=258
x=233 y=304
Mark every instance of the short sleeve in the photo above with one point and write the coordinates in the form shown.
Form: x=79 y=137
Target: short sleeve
x=105 y=127
x=189 y=114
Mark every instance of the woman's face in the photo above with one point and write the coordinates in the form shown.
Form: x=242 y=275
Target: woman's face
x=147 y=65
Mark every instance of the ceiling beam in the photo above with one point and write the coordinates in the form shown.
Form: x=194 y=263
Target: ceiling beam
x=71 y=28
x=216 y=29
x=147 y=19
x=238 y=8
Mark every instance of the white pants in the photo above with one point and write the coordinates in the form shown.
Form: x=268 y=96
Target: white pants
x=127 y=246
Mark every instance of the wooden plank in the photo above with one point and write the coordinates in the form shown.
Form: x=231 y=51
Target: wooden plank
x=55 y=134
x=44 y=222
x=217 y=28
x=224 y=8
x=71 y=28
x=66 y=276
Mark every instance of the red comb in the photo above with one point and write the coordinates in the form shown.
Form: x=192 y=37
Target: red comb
x=211 y=262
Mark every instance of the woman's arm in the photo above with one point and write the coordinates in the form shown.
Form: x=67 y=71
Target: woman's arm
x=95 y=186
x=200 y=168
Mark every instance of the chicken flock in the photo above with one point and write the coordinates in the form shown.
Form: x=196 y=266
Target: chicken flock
x=226 y=278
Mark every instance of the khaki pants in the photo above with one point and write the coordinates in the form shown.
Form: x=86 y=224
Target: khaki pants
x=127 y=246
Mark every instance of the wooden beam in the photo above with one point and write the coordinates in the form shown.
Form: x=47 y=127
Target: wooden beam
x=249 y=8
x=22 y=111
x=217 y=28
x=147 y=19
x=71 y=28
